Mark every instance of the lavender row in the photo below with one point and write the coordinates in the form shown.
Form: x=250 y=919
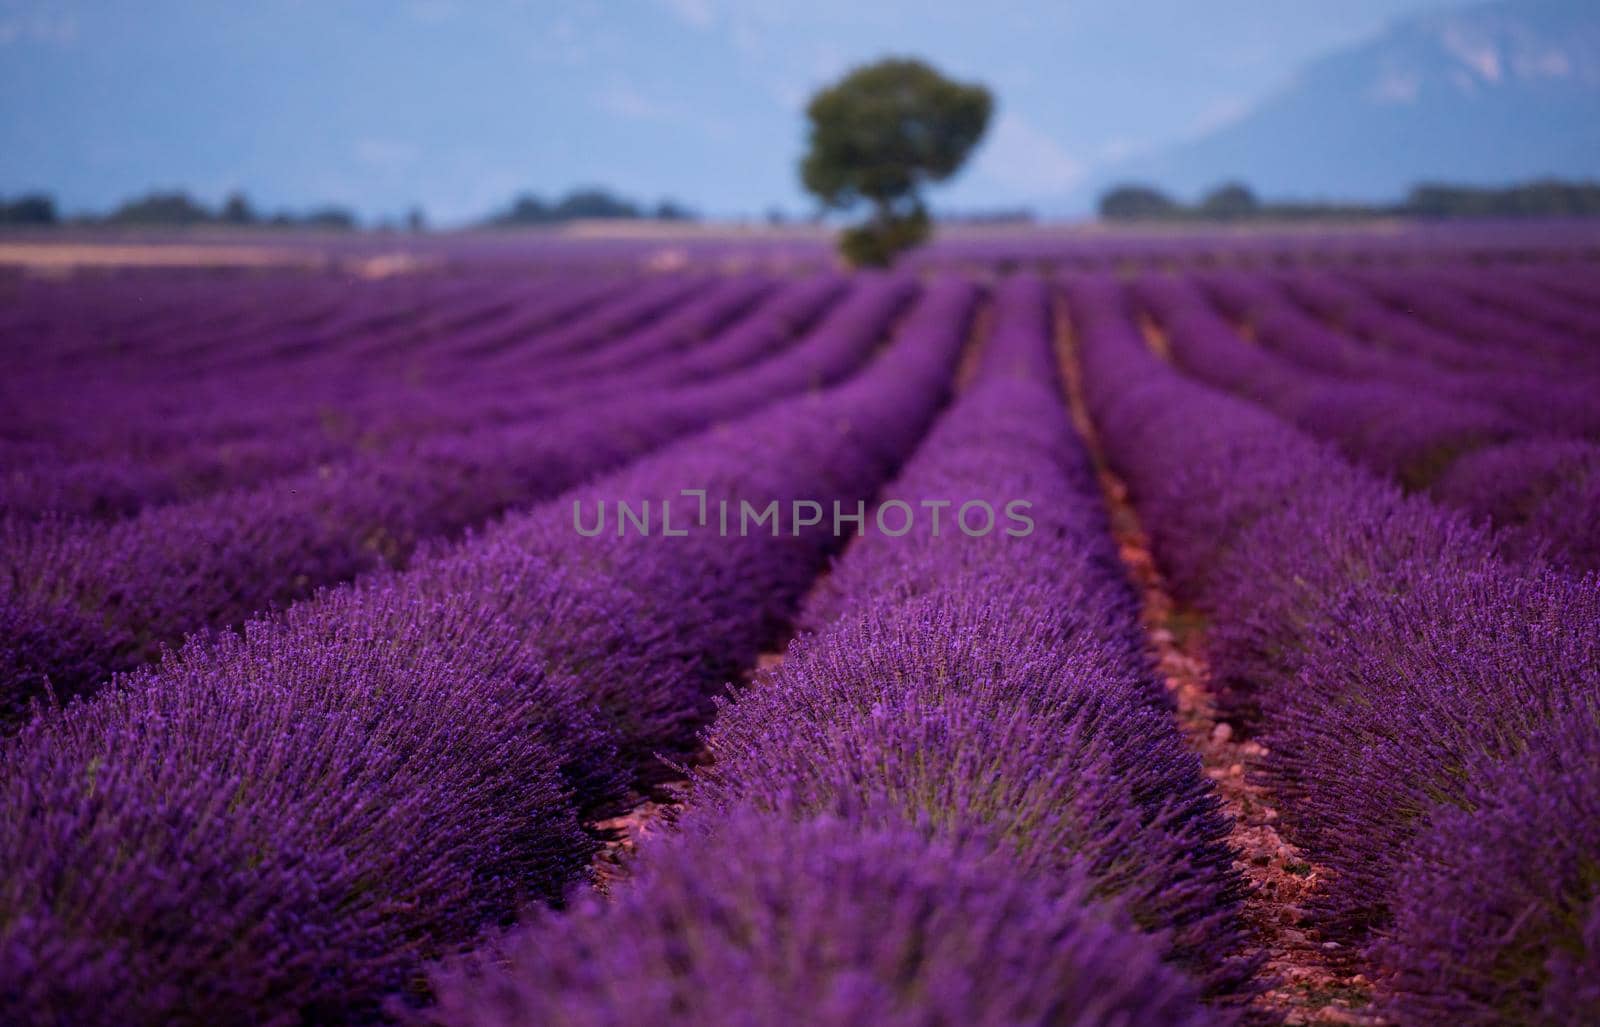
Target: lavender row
x=634 y=309
x=238 y=323
x=674 y=354
x=111 y=487
x=105 y=408
x=1542 y=396
x=1395 y=430
x=1541 y=494
x=82 y=602
x=398 y=310
x=1460 y=314
x=224 y=318
x=229 y=406
x=280 y=827
x=1491 y=242
x=344 y=359
x=715 y=333
x=59 y=322
x=339 y=376
x=1396 y=671
x=973 y=727
x=1565 y=316
x=1535 y=486
x=825 y=921
x=149 y=445
x=1348 y=307
x=1576 y=284
x=664 y=337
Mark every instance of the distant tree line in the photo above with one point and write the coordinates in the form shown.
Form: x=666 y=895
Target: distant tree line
x=1235 y=201
x=1546 y=197
x=178 y=209
x=174 y=209
x=582 y=204
x=31 y=209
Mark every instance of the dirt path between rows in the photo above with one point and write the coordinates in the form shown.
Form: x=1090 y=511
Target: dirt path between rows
x=650 y=816
x=1311 y=983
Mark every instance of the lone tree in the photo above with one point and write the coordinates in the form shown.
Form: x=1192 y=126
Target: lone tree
x=881 y=133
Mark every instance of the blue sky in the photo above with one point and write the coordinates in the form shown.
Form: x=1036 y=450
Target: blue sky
x=457 y=104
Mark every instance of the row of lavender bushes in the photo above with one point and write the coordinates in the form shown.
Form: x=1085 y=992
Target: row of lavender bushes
x=70 y=432
x=170 y=328
x=1494 y=309
x=281 y=826
x=1534 y=488
x=1485 y=458
x=1544 y=394
x=1538 y=486
x=224 y=448
x=1429 y=709
x=85 y=600
x=961 y=798
x=159 y=442
x=369 y=371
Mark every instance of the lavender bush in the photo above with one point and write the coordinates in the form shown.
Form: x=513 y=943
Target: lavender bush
x=961 y=687
x=1495 y=911
x=83 y=602
x=823 y=921
x=281 y=827
x=1385 y=653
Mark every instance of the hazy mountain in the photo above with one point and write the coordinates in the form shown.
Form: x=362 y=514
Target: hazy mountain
x=1482 y=95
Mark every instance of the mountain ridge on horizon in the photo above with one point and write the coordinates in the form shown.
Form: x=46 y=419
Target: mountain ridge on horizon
x=1498 y=93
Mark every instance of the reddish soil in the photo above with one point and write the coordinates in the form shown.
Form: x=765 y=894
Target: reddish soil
x=1312 y=983
x=972 y=352
x=624 y=834
x=650 y=815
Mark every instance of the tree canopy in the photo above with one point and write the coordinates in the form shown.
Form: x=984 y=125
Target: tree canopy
x=880 y=135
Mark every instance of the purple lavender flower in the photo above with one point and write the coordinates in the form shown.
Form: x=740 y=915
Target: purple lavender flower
x=1495 y=902
x=822 y=921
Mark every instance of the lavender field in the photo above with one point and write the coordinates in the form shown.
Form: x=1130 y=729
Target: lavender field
x=1118 y=629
